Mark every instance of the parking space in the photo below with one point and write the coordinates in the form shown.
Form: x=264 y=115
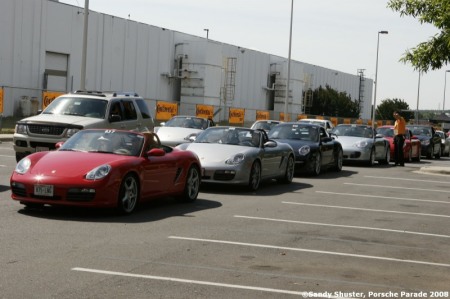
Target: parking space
x=355 y=234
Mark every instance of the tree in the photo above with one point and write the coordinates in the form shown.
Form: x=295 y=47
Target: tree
x=327 y=101
x=434 y=53
x=387 y=107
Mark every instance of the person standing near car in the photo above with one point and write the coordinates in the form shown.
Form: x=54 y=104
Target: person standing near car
x=399 y=138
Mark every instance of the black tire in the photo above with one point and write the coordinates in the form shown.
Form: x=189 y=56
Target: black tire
x=409 y=155
x=339 y=160
x=192 y=185
x=419 y=156
x=128 y=195
x=316 y=167
x=290 y=170
x=371 y=161
x=387 y=156
x=430 y=155
x=438 y=156
x=255 y=176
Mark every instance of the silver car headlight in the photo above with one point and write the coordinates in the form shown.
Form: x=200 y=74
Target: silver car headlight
x=23 y=166
x=304 y=150
x=99 y=172
x=235 y=160
x=21 y=129
x=361 y=143
x=71 y=132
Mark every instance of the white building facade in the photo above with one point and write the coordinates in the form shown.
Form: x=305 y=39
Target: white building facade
x=42 y=46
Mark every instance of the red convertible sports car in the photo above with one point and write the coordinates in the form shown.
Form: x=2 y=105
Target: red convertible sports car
x=106 y=169
x=411 y=148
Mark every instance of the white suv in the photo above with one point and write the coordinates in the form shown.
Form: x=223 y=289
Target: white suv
x=69 y=113
x=328 y=125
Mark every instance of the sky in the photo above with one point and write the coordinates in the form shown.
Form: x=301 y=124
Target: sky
x=337 y=34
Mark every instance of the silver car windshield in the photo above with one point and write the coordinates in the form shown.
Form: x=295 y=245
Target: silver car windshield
x=296 y=132
x=187 y=122
x=77 y=106
x=353 y=131
x=231 y=135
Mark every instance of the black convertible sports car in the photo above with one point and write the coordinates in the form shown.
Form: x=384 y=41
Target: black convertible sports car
x=314 y=149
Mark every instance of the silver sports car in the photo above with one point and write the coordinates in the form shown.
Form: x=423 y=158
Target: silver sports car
x=362 y=143
x=231 y=155
x=180 y=128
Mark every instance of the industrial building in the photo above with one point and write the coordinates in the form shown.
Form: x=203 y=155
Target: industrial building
x=41 y=51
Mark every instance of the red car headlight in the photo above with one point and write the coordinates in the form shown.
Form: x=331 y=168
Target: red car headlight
x=99 y=172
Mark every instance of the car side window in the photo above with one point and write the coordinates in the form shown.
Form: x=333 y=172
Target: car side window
x=145 y=112
x=322 y=133
x=129 y=110
x=116 y=109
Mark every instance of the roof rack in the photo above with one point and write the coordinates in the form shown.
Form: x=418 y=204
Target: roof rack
x=90 y=92
x=125 y=93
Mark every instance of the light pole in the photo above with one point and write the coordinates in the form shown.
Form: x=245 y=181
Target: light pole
x=289 y=66
x=207 y=33
x=418 y=96
x=445 y=85
x=376 y=78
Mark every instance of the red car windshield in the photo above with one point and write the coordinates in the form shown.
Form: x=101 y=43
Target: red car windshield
x=105 y=141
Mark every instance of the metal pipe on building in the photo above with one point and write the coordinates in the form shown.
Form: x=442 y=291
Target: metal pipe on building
x=84 y=51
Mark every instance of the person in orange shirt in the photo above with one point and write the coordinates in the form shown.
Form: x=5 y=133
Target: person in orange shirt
x=399 y=138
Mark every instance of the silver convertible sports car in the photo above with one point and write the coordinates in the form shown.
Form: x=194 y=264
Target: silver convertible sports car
x=180 y=128
x=362 y=143
x=242 y=156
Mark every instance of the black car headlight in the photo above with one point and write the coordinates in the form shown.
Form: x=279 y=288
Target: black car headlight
x=304 y=150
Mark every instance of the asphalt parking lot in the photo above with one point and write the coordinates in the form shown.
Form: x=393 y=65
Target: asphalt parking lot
x=380 y=232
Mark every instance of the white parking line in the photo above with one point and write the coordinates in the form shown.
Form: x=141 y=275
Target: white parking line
x=403 y=179
x=361 y=209
x=384 y=197
x=397 y=187
x=344 y=226
x=312 y=251
x=199 y=282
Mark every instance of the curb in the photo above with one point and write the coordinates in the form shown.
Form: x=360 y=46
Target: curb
x=6 y=137
x=435 y=170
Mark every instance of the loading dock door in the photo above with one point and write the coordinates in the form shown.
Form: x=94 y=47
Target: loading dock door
x=55 y=76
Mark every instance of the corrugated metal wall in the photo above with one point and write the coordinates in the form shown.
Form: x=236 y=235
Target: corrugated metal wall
x=130 y=56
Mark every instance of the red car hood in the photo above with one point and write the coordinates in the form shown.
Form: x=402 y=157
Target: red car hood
x=70 y=164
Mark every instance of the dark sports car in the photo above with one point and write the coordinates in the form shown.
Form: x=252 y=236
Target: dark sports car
x=106 y=169
x=314 y=149
x=430 y=141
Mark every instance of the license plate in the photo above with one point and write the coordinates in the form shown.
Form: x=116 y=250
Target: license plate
x=43 y=190
x=42 y=149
